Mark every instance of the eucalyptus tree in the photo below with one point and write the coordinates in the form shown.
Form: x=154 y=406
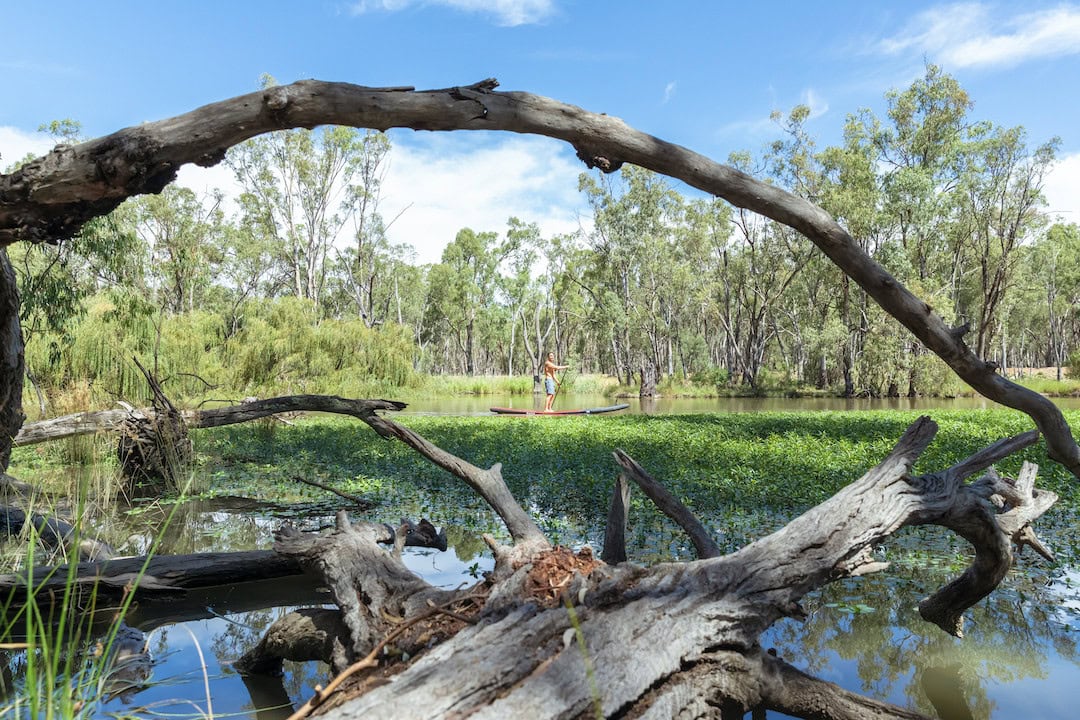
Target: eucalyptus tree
x=1057 y=257
x=183 y=238
x=461 y=290
x=999 y=200
x=707 y=229
x=633 y=232
x=246 y=269
x=521 y=291
x=369 y=268
x=303 y=186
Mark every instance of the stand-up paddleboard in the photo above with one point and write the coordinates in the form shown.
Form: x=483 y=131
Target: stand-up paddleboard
x=586 y=411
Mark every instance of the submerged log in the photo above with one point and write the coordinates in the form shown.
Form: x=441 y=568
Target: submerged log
x=54 y=534
x=563 y=635
x=168 y=576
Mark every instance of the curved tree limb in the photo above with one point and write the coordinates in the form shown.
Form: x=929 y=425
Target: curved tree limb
x=50 y=198
x=488 y=483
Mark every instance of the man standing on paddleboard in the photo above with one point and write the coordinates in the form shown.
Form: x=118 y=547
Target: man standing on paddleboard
x=550 y=383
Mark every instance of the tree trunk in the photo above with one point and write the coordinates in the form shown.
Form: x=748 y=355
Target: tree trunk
x=647 y=371
x=12 y=367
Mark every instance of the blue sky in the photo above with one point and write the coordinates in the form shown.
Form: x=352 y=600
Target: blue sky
x=703 y=74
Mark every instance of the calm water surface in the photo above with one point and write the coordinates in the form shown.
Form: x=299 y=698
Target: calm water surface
x=480 y=405
x=1019 y=658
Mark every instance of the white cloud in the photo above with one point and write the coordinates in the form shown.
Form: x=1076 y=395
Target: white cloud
x=444 y=183
x=817 y=104
x=669 y=91
x=16 y=144
x=970 y=35
x=748 y=132
x=439 y=184
x=506 y=12
x=1062 y=189
x=204 y=181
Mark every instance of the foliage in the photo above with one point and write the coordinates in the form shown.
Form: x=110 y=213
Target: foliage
x=688 y=293
x=724 y=466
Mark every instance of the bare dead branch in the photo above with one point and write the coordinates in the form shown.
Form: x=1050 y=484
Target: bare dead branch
x=991 y=514
x=88 y=423
x=703 y=541
x=618 y=515
x=488 y=483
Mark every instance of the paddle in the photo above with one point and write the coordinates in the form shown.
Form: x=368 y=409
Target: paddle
x=558 y=387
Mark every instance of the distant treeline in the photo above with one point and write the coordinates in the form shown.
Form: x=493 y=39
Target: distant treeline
x=300 y=289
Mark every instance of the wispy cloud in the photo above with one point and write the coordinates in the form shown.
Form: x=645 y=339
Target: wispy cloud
x=817 y=104
x=505 y=12
x=757 y=129
x=976 y=35
x=669 y=91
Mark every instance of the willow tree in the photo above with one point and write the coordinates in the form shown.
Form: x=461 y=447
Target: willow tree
x=607 y=638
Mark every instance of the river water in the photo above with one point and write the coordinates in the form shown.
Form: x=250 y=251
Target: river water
x=1020 y=657
x=480 y=405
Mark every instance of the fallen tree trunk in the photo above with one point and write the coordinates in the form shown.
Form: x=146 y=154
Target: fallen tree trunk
x=89 y=423
x=50 y=198
x=553 y=634
x=172 y=575
x=54 y=534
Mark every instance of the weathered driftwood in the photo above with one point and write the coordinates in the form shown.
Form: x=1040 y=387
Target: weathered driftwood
x=89 y=423
x=52 y=197
x=54 y=534
x=173 y=575
x=674 y=640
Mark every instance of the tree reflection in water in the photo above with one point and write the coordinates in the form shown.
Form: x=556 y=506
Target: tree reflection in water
x=1019 y=657
x=866 y=635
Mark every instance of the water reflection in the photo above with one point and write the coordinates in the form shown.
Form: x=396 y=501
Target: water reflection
x=196 y=640
x=1019 y=659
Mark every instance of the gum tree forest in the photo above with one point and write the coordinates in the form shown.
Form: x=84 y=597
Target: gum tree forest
x=295 y=284
x=914 y=251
